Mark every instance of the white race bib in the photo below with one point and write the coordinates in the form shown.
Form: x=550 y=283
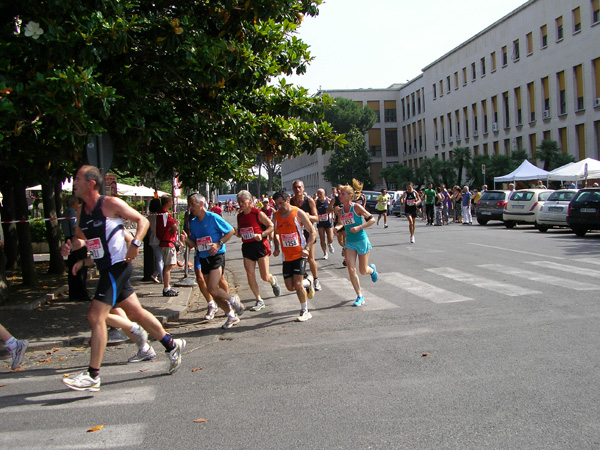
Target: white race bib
x=94 y=246
x=323 y=217
x=410 y=202
x=203 y=244
x=348 y=218
x=247 y=233
x=290 y=240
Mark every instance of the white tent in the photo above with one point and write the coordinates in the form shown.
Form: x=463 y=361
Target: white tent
x=67 y=185
x=125 y=190
x=526 y=171
x=576 y=171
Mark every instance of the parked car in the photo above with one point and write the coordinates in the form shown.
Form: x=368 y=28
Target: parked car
x=371 y=197
x=553 y=213
x=396 y=204
x=584 y=211
x=523 y=205
x=491 y=206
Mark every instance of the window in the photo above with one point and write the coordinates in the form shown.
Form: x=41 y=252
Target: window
x=516 y=52
x=448 y=84
x=518 y=107
x=450 y=126
x=533 y=143
x=529 y=43
x=441 y=88
x=504 y=56
x=493 y=59
x=506 y=110
x=544 y=36
x=562 y=93
x=457 y=116
x=576 y=20
x=389 y=109
x=391 y=142
x=443 y=130
x=475 y=128
x=403 y=110
x=464 y=76
x=483 y=66
x=596 y=67
x=595 y=11
x=531 y=98
x=374 y=105
x=485 y=117
x=495 y=110
x=546 y=104
x=473 y=72
x=560 y=34
x=562 y=140
x=466 y=116
x=578 y=75
x=375 y=142
x=455 y=80
x=435 y=131
x=418 y=102
x=434 y=91
x=580 y=135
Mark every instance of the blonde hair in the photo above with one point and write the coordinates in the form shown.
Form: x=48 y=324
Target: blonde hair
x=347 y=189
x=358 y=186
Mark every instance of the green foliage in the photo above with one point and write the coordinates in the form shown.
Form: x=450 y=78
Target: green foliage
x=518 y=156
x=351 y=161
x=397 y=176
x=38 y=231
x=346 y=114
x=549 y=152
x=461 y=158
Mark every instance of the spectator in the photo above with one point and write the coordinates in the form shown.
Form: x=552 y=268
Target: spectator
x=166 y=230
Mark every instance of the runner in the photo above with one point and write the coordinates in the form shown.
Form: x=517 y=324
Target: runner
x=355 y=218
x=16 y=347
x=382 y=205
x=208 y=234
x=307 y=204
x=100 y=227
x=289 y=221
x=324 y=225
x=410 y=200
x=334 y=208
x=254 y=227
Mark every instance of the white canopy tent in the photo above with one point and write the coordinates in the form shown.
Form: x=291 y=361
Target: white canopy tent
x=526 y=171
x=67 y=185
x=577 y=171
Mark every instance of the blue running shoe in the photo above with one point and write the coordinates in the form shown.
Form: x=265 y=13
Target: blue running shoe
x=374 y=276
x=359 y=301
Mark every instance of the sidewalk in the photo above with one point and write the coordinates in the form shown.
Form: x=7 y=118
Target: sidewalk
x=52 y=321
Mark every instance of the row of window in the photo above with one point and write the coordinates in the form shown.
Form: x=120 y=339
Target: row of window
x=438 y=88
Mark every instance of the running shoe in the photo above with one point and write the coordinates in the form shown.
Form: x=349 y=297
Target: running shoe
x=374 y=275
x=330 y=247
x=412 y=239
x=310 y=292
x=344 y=263
x=170 y=292
x=275 y=286
x=317 y=285
x=343 y=252
x=360 y=300
x=18 y=353
x=385 y=226
x=236 y=303
x=141 y=337
x=212 y=310
x=325 y=256
x=231 y=321
x=175 y=355
x=82 y=382
x=303 y=316
x=259 y=305
x=116 y=336
x=142 y=355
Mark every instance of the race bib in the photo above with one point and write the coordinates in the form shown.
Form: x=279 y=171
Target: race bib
x=203 y=244
x=247 y=233
x=94 y=246
x=290 y=240
x=323 y=217
x=348 y=218
x=410 y=203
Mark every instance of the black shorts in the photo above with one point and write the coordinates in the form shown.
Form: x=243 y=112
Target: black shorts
x=410 y=211
x=113 y=285
x=212 y=263
x=256 y=250
x=327 y=224
x=295 y=267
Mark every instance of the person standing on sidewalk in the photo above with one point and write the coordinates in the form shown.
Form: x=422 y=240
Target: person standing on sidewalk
x=100 y=228
x=208 y=234
x=77 y=282
x=254 y=227
x=154 y=209
x=429 y=203
x=307 y=204
x=466 y=206
x=166 y=230
x=289 y=221
x=355 y=218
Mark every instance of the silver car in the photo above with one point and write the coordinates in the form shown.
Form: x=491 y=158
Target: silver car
x=554 y=211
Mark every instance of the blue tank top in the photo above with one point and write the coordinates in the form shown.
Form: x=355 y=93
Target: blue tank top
x=105 y=236
x=349 y=220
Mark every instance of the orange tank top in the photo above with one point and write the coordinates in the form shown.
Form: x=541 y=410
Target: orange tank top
x=291 y=235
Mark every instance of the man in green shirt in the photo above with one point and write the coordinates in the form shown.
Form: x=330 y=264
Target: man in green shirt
x=429 y=202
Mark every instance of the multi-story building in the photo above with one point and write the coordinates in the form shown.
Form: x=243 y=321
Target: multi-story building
x=533 y=75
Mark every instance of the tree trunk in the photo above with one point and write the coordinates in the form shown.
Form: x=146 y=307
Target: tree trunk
x=24 y=234
x=53 y=233
x=11 y=249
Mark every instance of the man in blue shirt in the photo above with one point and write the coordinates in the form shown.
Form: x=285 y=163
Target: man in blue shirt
x=208 y=234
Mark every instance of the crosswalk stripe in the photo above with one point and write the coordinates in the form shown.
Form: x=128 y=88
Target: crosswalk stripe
x=483 y=283
x=567 y=268
x=111 y=436
x=343 y=287
x=544 y=278
x=595 y=261
x=68 y=399
x=422 y=289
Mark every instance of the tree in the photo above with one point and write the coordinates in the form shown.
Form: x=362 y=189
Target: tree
x=273 y=169
x=518 y=156
x=549 y=152
x=461 y=156
x=350 y=161
x=346 y=114
x=397 y=176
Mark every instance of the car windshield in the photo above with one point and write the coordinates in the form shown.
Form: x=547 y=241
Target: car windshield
x=493 y=196
x=521 y=196
x=587 y=196
x=544 y=196
x=559 y=196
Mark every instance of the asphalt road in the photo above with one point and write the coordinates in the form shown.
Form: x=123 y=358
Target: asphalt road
x=474 y=337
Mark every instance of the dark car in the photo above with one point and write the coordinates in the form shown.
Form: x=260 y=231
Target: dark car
x=584 y=211
x=491 y=206
x=371 y=197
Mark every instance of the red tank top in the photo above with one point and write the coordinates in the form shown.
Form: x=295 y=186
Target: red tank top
x=249 y=225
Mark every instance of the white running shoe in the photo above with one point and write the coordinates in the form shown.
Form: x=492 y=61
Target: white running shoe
x=18 y=353
x=82 y=382
x=212 y=310
x=142 y=355
x=175 y=355
x=330 y=247
x=231 y=321
x=325 y=256
x=236 y=303
x=303 y=316
x=412 y=239
x=317 y=284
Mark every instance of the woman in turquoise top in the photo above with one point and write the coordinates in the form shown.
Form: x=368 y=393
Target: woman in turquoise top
x=354 y=218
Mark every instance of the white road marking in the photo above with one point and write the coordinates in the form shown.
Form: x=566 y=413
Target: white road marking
x=567 y=268
x=516 y=251
x=483 y=283
x=422 y=289
x=595 y=261
x=541 y=277
x=343 y=288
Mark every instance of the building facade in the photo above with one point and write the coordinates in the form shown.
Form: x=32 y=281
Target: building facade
x=533 y=75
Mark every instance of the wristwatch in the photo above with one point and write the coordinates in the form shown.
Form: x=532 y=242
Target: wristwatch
x=221 y=243
x=136 y=242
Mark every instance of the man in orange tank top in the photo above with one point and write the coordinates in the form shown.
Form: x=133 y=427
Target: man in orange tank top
x=289 y=222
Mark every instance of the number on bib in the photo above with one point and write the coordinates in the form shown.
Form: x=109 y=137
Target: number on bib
x=94 y=246
x=290 y=240
x=203 y=244
x=247 y=233
x=348 y=218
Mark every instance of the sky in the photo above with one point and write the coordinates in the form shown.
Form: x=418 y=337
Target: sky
x=375 y=43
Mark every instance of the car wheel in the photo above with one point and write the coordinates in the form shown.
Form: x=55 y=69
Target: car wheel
x=541 y=228
x=580 y=231
x=509 y=224
x=482 y=221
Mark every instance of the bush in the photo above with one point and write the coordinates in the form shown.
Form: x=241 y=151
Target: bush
x=38 y=231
